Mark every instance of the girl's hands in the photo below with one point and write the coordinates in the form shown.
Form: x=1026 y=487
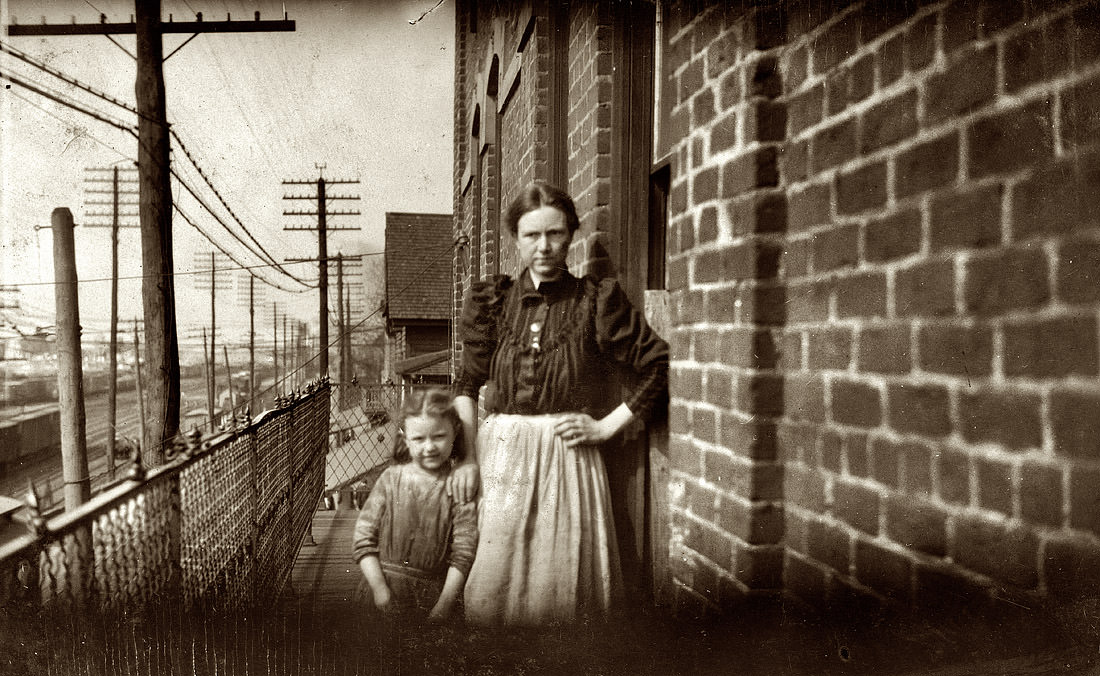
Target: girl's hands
x=464 y=482
x=383 y=599
x=578 y=429
x=441 y=611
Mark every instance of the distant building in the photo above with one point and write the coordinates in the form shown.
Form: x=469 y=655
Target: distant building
x=418 y=298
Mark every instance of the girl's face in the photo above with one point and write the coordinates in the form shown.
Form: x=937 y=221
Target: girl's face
x=430 y=439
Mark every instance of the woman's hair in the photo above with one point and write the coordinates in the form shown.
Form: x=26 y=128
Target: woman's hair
x=541 y=194
x=436 y=403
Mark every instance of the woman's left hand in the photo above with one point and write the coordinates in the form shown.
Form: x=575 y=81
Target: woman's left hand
x=464 y=482
x=579 y=429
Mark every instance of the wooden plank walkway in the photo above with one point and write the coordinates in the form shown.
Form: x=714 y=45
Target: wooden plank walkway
x=324 y=575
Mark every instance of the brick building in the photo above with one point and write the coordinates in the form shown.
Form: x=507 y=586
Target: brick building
x=417 y=304
x=868 y=231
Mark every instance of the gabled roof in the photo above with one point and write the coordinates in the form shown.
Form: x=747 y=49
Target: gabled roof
x=418 y=266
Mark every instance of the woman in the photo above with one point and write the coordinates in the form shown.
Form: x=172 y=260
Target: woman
x=547 y=344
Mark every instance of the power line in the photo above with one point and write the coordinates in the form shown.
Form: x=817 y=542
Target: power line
x=57 y=98
x=101 y=142
x=269 y=257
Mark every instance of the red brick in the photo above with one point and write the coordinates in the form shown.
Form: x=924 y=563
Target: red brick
x=764 y=304
x=994 y=485
x=756 y=169
x=1012 y=140
x=1038 y=54
x=1041 y=494
x=770 y=119
x=767 y=81
x=708 y=225
x=804 y=398
x=856 y=505
x=1071 y=568
x=804 y=487
x=861 y=82
x=805 y=109
x=925 y=290
x=831 y=451
x=835 y=44
x=892 y=237
x=770 y=26
x=704 y=186
x=713 y=545
x=889 y=122
x=703 y=109
x=856 y=455
x=945 y=589
x=884 y=570
x=1012 y=279
x=1075 y=417
x=790 y=351
x=721 y=52
x=1051 y=348
x=1001 y=416
x=745 y=478
x=719 y=386
x=836 y=248
x=890 y=61
x=691 y=80
x=761 y=212
x=1058 y=200
x=759 y=567
x=886 y=461
x=747 y=347
x=796 y=259
x=1084 y=498
x=829 y=348
x=833 y=145
x=861 y=189
x=959 y=350
x=723 y=133
x=829 y=545
x=1007 y=554
x=918 y=525
x=753 y=439
x=755 y=523
x=917 y=461
x=748 y=260
x=960 y=24
x=809 y=302
x=794 y=161
x=804 y=579
x=1081 y=113
x=967 y=219
x=797 y=442
x=969 y=82
x=920 y=43
x=808 y=207
x=704 y=424
x=927 y=166
x=685 y=456
x=731 y=90
x=884 y=349
x=920 y=409
x=760 y=392
x=686 y=382
x=954 y=475
x=836 y=91
x=855 y=403
x=794 y=67
x=861 y=295
x=1078 y=266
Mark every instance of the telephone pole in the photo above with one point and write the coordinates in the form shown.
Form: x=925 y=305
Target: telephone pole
x=343 y=324
x=112 y=220
x=158 y=287
x=322 y=213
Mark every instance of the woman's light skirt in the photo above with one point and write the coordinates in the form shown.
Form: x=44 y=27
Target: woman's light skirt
x=547 y=549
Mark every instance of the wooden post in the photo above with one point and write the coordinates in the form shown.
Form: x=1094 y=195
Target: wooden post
x=207 y=367
x=229 y=378
x=322 y=281
x=112 y=378
x=213 y=329
x=139 y=386
x=158 y=285
x=275 y=343
x=342 y=375
x=70 y=372
x=251 y=344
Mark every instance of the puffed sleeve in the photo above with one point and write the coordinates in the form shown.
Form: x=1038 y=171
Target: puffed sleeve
x=626 y=339
x=477 y=329
x=464 y=535
x=365 y=540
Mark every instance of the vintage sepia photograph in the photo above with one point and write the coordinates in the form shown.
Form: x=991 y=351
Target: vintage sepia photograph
x=594 y=337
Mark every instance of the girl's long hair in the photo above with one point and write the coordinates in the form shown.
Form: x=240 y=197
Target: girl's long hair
x=434 y=402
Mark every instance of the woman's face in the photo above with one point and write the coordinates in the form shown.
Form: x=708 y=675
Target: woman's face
x=543 y=238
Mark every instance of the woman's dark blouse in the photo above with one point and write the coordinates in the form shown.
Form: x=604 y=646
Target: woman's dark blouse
x=555 y=348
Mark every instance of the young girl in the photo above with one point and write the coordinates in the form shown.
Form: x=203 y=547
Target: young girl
x=414 y=543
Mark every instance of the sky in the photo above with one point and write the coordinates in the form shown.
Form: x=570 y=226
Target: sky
x=363 y=89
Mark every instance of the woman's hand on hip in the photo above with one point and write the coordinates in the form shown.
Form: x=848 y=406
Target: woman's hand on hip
x=464 y=482
x=580 y=429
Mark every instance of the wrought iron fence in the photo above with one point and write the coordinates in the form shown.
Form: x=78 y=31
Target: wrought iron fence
x=218 y=527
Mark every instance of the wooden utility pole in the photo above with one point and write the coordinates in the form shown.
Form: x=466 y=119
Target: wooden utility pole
x=229 y=378
x=251 y=343
x=138 y=385
x=322 y=213
x=158 y=287
x=70 y=372
x=275 y=342
x=208 y=367
x=92 y=220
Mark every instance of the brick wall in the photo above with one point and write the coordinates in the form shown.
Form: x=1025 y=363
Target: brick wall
x=882 y=258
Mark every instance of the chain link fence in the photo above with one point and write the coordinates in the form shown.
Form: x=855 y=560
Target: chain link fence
x=217 y=528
